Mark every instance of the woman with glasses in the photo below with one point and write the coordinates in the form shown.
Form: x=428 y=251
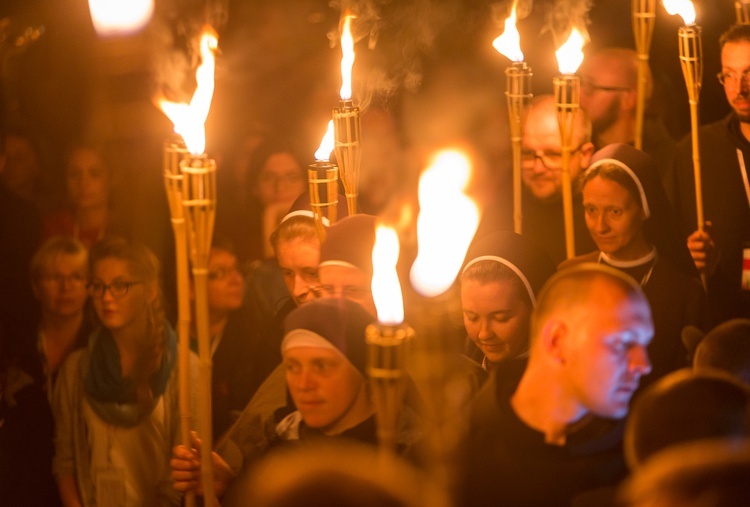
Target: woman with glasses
x=631 y=222
x=275 y=177
x=116 y=401
x=59 y=272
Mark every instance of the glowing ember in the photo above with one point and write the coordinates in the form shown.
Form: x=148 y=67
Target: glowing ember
x=189 y=120
x=570 y=55
x=115 y=17
x=347 y=58
x=684 y=8
x=446 y=224
x=386 y=290
x=326 y=144
x=509 y=43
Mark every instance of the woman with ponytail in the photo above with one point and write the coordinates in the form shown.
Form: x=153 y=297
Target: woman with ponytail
x=116 y=402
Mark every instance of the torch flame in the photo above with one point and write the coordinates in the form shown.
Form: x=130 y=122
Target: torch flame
x=189 y=120
x=570 y=55
x=326 y=144
x=386 y=290
x=347 y=58
x=508 y=43
x=115 y=17
x=684 y=8
x=446 y=224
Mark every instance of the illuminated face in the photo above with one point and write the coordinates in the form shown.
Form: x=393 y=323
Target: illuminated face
x=326 y=388
x=735 y=61
x=281 y=180
x=614 y=219
x=298 y=259
x=87 y=179
x=125 y=301
x=226 y=288
x=61 y=286
x=541 y=164
x=347 y=282
x=496 y=319
x=606 y=354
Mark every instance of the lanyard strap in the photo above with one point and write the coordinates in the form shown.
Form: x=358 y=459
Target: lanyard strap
x=743 y=171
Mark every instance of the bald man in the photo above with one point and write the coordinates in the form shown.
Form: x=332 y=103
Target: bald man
x=558 y=433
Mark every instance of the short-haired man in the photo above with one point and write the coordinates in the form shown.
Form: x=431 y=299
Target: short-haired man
x=725 y=154
x=609 y=95
x=558 y=433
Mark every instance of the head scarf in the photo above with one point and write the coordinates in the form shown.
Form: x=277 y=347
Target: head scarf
x=349 y=243
x=530 y=263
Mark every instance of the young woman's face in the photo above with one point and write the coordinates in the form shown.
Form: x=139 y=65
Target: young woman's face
x=281 y=180
x=496 y=319
x=226 y=288
x=87 y=179
x=119 y=298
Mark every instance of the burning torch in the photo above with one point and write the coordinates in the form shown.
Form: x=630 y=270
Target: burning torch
x=197 y=186
x=388 y=340
x=568 y=99
x=518 y=94
x=347 y=123
x=323 y=178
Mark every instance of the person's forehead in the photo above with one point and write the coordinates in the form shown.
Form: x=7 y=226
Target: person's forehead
x=310 y=353
x=735 y=53
x=219 y=255
x=281 y=163
x=65 y=261
x=344 y=275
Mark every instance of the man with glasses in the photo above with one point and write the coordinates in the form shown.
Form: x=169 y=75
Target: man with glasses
x=718 y=249
x=609 y=95
x=541 y=171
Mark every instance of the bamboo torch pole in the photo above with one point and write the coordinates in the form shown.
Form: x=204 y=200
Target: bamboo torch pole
x=199 y=202
x=174 y=152
x=742 y=8
x=644 y=17
x=518 y=94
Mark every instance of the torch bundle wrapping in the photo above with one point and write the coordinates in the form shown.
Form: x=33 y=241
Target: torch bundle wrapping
x=567 y=98
x=199 y=203
x=388 y=350
x=323 y=180
x=518 y=94
x=347 y=124
x=644 y=17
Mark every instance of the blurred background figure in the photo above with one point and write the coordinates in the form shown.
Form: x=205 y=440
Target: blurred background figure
x=24 y=172
x=87 y=213
x=275 y=177
x=684 y=407
x=26 y=431
x=709 y=473
x=337 y=474
x=59 y=273
x=609 y=95
x=382 y=173
x=727 y=348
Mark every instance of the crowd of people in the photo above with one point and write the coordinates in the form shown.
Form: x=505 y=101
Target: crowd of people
x=615 y=377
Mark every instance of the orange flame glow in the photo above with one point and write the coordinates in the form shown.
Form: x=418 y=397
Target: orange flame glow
x=386 y=289
x=684 y=8
x=189 y=119
x=446 y=224
x=115 y=17
x=347 y=58
x=570 y=55
x=508 y=43
x=326 y=144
